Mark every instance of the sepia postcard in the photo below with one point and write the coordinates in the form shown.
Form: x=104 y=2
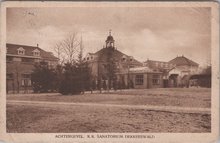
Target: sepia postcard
x=109 y=72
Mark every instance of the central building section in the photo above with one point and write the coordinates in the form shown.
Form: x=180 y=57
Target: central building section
x=110 y=67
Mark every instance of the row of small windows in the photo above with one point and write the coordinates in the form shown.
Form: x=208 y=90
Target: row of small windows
x=124 y=58
x=28 y=60
x=88 y=58
x=139 y=79
x=25 y=79
x=160 y=64
x=21 y=51
x=157 y=64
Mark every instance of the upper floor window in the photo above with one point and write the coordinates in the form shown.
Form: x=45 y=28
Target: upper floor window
x=36 y=52
x=21 y=51
x=27 y=60
x=123 y=58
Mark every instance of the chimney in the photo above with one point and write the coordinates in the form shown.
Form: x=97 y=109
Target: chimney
x=37 y=44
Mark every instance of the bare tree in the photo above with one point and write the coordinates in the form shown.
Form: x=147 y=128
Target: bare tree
x=68 y=50
x=58 y=51
x=80 y=54
x=71 y=48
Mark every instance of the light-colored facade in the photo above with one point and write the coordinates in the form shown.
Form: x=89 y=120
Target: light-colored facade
x=144 y=77
x=184 y=68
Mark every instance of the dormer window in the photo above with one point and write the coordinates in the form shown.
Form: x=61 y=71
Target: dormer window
x=36 y=52
x=21 y=51
x=123 y=58
x=131 y=59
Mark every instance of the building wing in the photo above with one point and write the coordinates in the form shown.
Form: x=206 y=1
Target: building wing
x=30 y=51
x=178 y=61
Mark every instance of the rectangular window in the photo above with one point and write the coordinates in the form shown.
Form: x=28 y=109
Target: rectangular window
x=26 y=75
x=26 y=80
x=10 y=76
x=36 y=54
x=156 y=79
x=139 y=79
x=16 y=59
x=9 y=59
x=36 y=60
x=27 y=60
x=20 y=52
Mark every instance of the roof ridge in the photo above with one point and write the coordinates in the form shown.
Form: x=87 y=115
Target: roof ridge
x=187 y=60
x=21 y=45
x=190 y=61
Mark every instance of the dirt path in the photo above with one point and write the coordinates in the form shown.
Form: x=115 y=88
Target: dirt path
x=174 y=109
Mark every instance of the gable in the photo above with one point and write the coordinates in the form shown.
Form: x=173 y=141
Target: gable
x=116 y=55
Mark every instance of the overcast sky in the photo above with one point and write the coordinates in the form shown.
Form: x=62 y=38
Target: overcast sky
x=144 y=33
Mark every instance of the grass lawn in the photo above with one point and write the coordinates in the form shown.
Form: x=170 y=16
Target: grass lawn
x=41 y=118
x=183 y=97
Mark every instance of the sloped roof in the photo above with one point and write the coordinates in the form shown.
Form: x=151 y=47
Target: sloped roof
x=152 y=61
x=140 y=69
x=183 y=61
x=12 y=49
x=116 y=54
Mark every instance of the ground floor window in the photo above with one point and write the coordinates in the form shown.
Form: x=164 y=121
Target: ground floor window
x=156 y=79
x=26 y=80
x=10 y=76
x=139 y=79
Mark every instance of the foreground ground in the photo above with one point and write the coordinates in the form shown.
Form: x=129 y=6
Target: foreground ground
x=151 y=110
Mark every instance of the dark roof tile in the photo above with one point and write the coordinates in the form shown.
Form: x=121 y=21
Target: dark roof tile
x=183 y=61
x=12 y=49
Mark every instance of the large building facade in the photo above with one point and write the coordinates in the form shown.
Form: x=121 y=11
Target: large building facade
x=126 y=69
x=131 y=73
x=20 y=61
